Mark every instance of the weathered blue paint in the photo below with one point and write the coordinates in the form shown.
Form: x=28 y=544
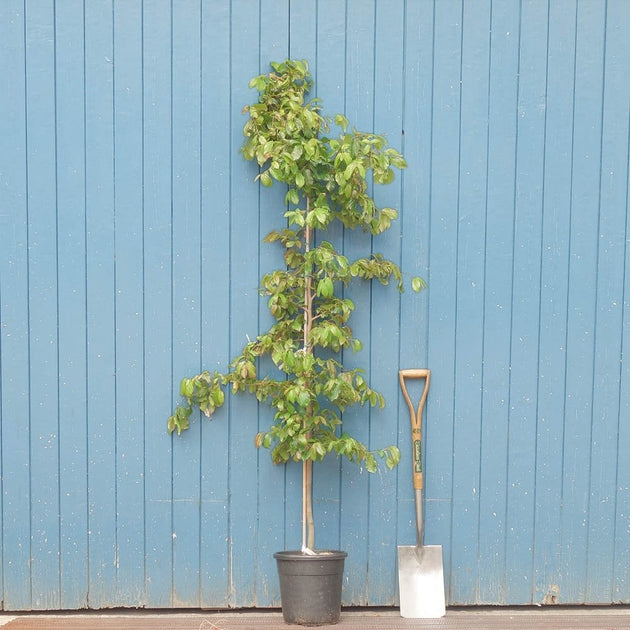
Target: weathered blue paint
x=130 y=232
x=100 y=303
x=158 y=346
x=71 y=229
x=14 y=319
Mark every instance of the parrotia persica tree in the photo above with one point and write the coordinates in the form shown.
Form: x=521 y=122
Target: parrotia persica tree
x=327 y=179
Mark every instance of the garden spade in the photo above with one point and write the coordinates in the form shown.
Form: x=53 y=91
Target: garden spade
x=420 y=568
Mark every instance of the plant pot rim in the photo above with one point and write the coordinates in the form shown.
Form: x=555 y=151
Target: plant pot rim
x=318 y=555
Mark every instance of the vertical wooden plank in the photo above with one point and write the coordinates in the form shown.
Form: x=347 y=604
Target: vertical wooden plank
x=274 y=46
x=43 y=297
x=526 y=301
x=215 y=221
x=331 y=54
x=500 y=183
x=328 y=67
x=158 y=378
x=99 y=169
x=186 y=184
x=330 y=48
x=414 y=218
x=244 y=307
x=609 y=299
x=303 y=20
x=414 y=226
x=70 y=116
x=385 y=309
x=621 y=558
x=128 y=299
x=14 y=309
x=553 y=305
x=354 y=481
x=445 y=149
x=582 y=295
x=330 y=84
x=470 y=297
x=306 y=39
x=621 y=567
x=215 y=205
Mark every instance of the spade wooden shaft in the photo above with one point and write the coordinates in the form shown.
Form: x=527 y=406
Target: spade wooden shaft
x=416 y=440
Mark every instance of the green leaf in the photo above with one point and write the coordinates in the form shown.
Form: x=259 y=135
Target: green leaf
x=218 y=397
x=265 y=179
x=289 y=359
x=179 y=419
x=390 y=213
x=325 y=287
x=418 y=284
x=370 y=463
x=292 y=196
x=303 y=399
x=295 y=217
x=186 y=388
x=392 y=456
x=342 y=121
x=259 y=83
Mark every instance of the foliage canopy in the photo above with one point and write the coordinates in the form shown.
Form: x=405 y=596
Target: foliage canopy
x=327 y=179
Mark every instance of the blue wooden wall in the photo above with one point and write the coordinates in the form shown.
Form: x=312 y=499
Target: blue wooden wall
x=130 y=255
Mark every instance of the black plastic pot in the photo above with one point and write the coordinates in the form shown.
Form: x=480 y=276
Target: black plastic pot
x=310 y=586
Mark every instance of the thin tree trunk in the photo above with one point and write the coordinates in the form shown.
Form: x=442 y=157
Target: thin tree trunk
x=308 y=524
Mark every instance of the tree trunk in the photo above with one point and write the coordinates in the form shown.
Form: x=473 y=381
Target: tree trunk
x=308 y=524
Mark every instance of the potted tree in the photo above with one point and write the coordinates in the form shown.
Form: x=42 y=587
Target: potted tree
x=326 y=180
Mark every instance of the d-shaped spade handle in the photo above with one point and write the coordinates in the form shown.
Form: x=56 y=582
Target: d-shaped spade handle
x=416 y=419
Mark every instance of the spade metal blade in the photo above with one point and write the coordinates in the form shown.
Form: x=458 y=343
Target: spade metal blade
x=421 y=582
